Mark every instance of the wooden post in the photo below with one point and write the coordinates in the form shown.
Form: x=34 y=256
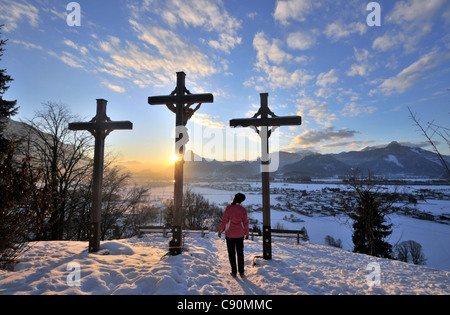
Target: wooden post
x=264 y=122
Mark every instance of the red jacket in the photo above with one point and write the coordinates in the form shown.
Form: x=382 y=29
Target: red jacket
x=234 y=222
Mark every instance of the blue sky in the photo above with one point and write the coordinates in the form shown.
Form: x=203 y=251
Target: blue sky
x=351 y=83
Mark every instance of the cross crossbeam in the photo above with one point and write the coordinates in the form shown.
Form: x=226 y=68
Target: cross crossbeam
x=264 y=122
x=100 y=127
x=180 y=102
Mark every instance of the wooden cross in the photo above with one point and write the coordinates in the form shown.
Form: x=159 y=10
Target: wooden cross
x=100 y=126
x=180 y=102
x=264 y=122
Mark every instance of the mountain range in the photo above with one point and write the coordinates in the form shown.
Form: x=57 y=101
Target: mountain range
x=392 y=161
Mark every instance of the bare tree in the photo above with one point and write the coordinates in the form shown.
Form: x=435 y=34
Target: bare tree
x=430 y=132
x=121 y=203
x=410 y=251
x=63 y=156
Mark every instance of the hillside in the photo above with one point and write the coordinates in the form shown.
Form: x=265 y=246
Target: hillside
x=137 y=266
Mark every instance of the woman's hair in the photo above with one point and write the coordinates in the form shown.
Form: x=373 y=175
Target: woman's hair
x=238 y=198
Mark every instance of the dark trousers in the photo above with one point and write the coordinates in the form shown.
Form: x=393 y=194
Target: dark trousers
x=236 y=246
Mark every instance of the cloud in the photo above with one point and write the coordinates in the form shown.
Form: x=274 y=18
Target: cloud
x=414 y=11
x=12 y=12
x=410 y=75
x=115 y=88
x=325 y=79
x=353 y=109
x=310 y=108
x=209 y=15
x=409 y=21
x=68 y=58
x=338 y=30
x=300 y=40
x=155 y=59
x=292 y=9
x=272 y=61
x=26 y=44
x=174 y=52
x=363 y=66
x=269 y=51
x=312 y=138
x=208 y=121
x=83 y=50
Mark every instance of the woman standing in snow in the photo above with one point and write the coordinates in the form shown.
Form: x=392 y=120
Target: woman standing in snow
x=235 y=224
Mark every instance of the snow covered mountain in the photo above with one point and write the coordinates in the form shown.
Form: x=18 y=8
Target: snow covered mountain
x=138 y=266
x=394 y=160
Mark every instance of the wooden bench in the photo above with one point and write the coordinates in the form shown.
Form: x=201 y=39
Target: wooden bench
x=288 y=233
x=202 y=231
x=152 y=229
x=166 y=230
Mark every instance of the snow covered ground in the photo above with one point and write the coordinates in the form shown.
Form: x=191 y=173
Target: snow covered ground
x=138 y=266
x=434 y=237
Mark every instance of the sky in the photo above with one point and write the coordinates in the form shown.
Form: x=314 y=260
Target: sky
x=351 y=81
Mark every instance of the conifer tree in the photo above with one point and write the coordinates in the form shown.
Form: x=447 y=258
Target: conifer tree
x=7 y=108
x=368 y=207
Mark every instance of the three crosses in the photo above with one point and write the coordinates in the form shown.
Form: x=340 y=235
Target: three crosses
x=180 y=102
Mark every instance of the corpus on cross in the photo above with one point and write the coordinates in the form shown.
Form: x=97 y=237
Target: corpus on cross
x=180 y=102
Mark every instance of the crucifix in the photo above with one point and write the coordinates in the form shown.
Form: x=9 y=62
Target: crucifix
x=180 y=102
x=264 y=122
x=100 y=127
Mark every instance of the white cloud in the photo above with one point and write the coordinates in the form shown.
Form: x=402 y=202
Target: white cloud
x=310 y=108
x=207 y=120
x=385 y=42
x=364 y=65
x=161 y=54
x=292 y=9
x=313 y=137
x=113 y=87
x=414 y=11
x=26 y=44
x=269 y=51
x=325 y=79
x=13 y=12
x=83 y=50
x=409 y=21
x=272 y=61
x=68 y=58
x=210 y=15
x=338 y=30
x=410 y=75
x=353 y=109
x=300 y=40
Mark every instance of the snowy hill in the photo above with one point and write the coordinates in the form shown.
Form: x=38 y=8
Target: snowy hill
x=137 y=266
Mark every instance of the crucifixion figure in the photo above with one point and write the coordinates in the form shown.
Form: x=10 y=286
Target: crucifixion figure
x=100 y=127
x=264 y=122
x=180 y=102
